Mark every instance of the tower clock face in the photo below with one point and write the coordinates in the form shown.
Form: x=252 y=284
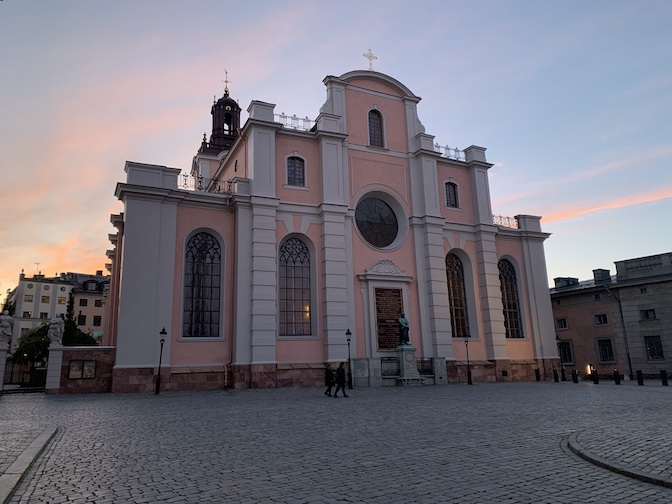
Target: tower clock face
x=228 y=107
x=376 y=222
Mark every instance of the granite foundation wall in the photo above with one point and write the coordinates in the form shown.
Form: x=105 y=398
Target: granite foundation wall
x=86 y=370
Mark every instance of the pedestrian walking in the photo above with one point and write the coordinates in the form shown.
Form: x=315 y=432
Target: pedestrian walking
x=328 y=379
x=340 y=380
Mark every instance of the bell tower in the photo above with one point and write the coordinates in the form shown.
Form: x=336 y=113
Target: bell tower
x=225 y=123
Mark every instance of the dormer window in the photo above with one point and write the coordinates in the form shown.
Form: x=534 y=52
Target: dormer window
x=375 y=129
x=296 y=175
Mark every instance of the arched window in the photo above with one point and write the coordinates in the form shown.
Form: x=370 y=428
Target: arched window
x=451 y=195
x=459 y=321
x=202 y=277
x=510 y=301
x=294 y=292
x=295 y=172
x=375 y=129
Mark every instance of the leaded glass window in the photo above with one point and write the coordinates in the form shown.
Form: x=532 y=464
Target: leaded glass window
x=510 y=300
x=451 y=195
x=295 y=172
x=459 y=321
x=294 y=292
x=377 y=222
x=202 y=278
x=375 y=129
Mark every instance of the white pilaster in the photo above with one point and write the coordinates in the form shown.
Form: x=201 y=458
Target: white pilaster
x=53 y=383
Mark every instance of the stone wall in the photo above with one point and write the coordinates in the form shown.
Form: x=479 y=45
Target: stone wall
x=96 y=374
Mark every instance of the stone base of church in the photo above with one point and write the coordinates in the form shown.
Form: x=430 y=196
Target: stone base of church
x=252 y=376
x=501 y=370
x=256 y=376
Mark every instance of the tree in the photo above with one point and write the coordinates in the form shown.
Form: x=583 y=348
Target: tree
x=73 y=335
x=33 y=347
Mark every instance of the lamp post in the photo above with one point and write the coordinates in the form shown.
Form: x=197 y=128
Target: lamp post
x=466 y=345
x=163 y=334
x=348 y=334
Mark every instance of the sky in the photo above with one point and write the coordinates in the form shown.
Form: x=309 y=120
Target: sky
x=572 y=99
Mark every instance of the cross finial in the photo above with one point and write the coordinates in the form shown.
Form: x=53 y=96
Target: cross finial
x=226 y=81
x=369 y=55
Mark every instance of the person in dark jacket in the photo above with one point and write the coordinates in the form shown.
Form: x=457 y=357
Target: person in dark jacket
x=340 y=380
x=328 y=379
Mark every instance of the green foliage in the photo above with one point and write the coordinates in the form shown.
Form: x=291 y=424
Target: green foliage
x=33 y=347
x=77 y=337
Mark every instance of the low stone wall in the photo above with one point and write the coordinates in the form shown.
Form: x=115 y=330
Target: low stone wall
x=278 y=375
x=501 y=371
x=86 y=370
x=135 y=380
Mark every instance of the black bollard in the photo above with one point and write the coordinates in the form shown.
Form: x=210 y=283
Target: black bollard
x=563 y=374
x=575 y=377
x=537 y=374
x=640 y=377
x=555 y=376
x=663 y=377
x=596 y=377
x=617 y=377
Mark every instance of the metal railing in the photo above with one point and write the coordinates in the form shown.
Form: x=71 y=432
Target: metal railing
x=389 y=366
x=204 y=184
x=505 y=221
x=450 y=153
x=425 y=366
x=294 y=121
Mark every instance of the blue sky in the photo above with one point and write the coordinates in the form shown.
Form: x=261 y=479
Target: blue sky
x=572 y=99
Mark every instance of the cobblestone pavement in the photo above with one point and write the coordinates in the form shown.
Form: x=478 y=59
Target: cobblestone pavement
x=501 y=443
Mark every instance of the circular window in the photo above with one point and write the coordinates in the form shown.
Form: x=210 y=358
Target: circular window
x=62 y=289
x=46 y=287
x=30 y=286
x=376 y=222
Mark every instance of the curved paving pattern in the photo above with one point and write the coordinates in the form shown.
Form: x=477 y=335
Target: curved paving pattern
x=505 y=443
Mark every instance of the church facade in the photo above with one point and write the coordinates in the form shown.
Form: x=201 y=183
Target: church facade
x=293 y=243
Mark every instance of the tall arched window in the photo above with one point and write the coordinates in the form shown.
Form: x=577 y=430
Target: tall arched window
x=202 y=278
x=510 y=301
x=375 y=129
x=459 y=321
x=294 y=292
x=295 y=172
x=451 y=195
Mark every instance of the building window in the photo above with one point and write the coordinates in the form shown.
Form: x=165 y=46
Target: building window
x=27 y=314
x=296 y=175
x=642 y=290
x=605 y=350
x=91 y=286
x=561 y=323
x=647 y=314
x=597 y=297
x=376 y=222
x=654 y=348
x=28 y=298
x=98 y=303
x=375 y=129
x=459 y=320
x=202 y=279
x=601 y=319
x=81 y=320
x=565 y=351
x=96 y=320
x=24 y=330
x=44 y=315
x=294 y=292
x=452 y=200
x=45 y=299
x=510 y=301
x=61 y=300
x=83 y=302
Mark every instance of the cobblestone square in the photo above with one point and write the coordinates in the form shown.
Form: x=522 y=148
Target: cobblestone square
x=502 y=442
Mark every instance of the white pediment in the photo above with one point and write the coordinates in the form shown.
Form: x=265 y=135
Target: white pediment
x=385 y=270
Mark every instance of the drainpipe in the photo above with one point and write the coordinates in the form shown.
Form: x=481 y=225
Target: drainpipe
x=625 y=336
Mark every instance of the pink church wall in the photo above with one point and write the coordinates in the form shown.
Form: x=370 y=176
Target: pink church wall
x=394 y=119
x=184 y=352
x=464 y=214
x=309 y=151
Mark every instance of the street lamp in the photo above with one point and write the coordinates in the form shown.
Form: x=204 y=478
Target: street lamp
x=163 y=334
x=348 y=334
x=466 y=345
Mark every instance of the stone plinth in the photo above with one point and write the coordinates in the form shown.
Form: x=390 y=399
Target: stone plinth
x=408 y=366
x=53 y=384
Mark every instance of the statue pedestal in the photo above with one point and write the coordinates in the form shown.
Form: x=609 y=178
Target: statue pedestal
x=408 y=366
x=53 y=383
x=3 y=364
